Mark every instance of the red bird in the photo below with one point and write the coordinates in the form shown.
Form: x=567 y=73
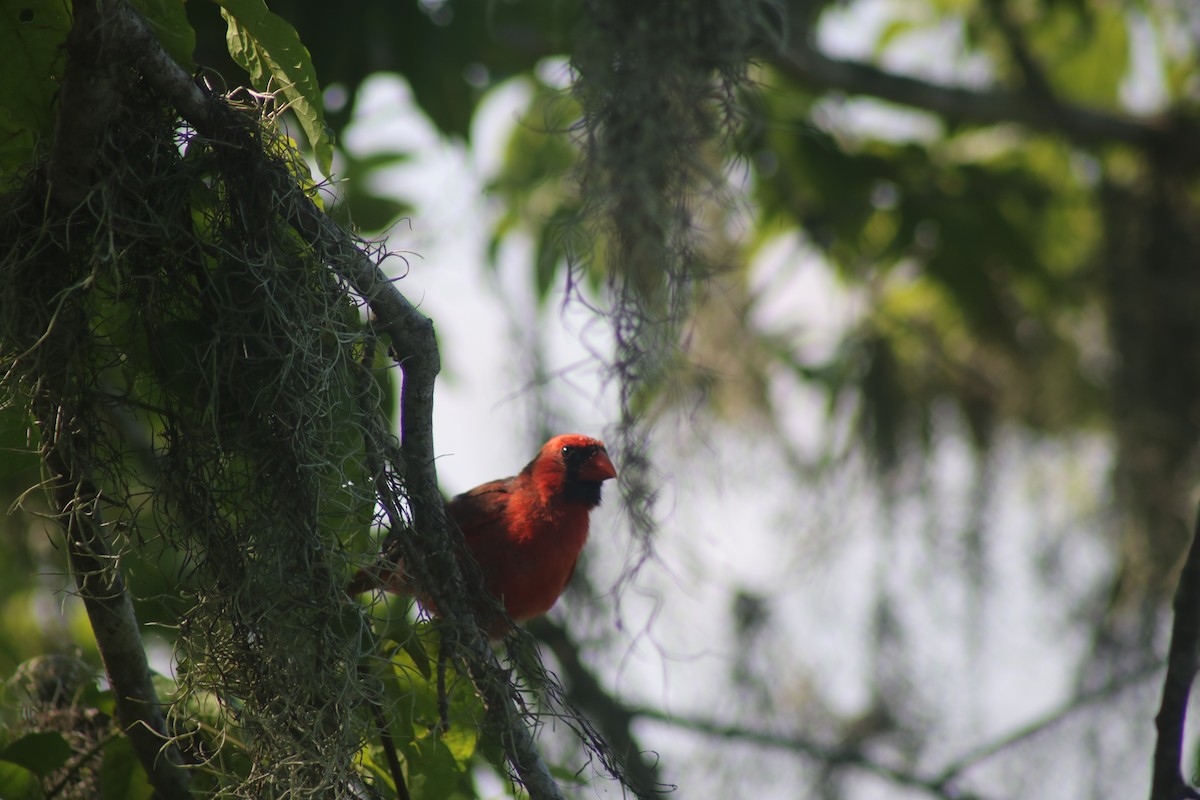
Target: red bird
x=525 y=532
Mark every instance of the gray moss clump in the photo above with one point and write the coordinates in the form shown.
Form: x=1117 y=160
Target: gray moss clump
x=208 y=383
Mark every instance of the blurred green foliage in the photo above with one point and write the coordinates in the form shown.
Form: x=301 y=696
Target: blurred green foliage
x=994 y=257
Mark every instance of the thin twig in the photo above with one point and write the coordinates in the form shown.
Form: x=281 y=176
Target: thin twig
x=613 y=718
x=443 y=701
x=1037 y=85
x=389 y=752
x=828 y=755
x=1038 y=726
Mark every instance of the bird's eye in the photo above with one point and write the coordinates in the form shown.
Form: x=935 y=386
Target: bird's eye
x=566 y=451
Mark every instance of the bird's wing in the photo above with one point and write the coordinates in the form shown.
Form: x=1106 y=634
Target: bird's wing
x=482 y=509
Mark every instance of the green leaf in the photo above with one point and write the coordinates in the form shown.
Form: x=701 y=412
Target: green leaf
x=121 y=776
x=460 y=742
x=440 y=775
x=547 y=258
x=1086 y=57
x=31 y=36
x=412 y=708
x=376 y=765
x=40 y=753
x=168 y=19
x=891 y=32
x=18 y=783
x=100 y=699
x=16 y=142
x=400 y=630
x=17 y=453
x=270 y=50
x=551 y=250
x=362 y=207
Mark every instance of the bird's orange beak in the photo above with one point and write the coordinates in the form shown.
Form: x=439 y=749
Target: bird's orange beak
x=598 y=468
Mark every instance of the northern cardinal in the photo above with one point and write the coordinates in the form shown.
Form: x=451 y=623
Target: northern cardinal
x=525 y=532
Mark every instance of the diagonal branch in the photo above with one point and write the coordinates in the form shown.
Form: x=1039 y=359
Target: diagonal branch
x=613 y=718
x=946 y=782
x=110 y=611
x=1043 y=723
x=1037 y=86
x=828 y=755
x=1183 y=662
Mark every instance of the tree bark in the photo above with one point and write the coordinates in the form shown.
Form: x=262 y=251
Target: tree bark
x=1183 y=661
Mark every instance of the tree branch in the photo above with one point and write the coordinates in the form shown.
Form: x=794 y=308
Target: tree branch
x=1183 y=661
x=415 y=346
x=416 y=351
x=1037 y=86
x=942 y=784
x=830 y=756
x=1085 y=126
x=86 y=99
x=108 y=605
x=1041 y=724
x=613 y=719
